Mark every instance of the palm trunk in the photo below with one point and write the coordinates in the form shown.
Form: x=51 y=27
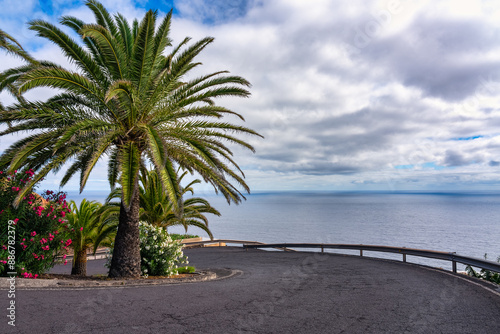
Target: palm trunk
x=79 y=263
x=126 y=261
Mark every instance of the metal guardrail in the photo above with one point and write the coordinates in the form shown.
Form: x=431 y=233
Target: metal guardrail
x=228 y=241
x=447 y=256
x=221 y=241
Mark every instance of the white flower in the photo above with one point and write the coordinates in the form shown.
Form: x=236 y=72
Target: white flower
x=147 y=247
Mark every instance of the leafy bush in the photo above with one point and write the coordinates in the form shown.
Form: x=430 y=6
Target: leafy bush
x=160 y=255
x=37 y=232
x=484 y=274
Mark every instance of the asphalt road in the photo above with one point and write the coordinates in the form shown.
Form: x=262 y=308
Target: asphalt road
x=276 y=293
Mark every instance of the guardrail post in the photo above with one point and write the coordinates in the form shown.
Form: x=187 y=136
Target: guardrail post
x=404 y=257
x=360 y=252
x=322 y=249
x=454 y=266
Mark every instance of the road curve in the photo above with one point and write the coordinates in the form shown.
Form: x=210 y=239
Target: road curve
x=293 y=292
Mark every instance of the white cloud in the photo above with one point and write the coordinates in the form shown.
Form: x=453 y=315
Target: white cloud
x=347 y=91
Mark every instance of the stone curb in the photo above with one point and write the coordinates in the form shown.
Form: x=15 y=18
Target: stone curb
x=61 y=284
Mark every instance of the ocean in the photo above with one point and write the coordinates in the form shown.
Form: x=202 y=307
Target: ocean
x=468 y=224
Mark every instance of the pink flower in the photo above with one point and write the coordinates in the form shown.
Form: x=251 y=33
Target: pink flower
x=66 y=262
x=33 y=233
x=64 y=256
x=16 y=220
x=81 y=228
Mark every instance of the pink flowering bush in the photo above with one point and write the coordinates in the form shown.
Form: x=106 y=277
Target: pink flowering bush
x=39 y=223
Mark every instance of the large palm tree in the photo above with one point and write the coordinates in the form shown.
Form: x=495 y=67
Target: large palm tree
x=156 y=208
x=90 y=230
x=129 y=101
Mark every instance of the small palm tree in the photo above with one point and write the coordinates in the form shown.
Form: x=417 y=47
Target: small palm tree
x=89 y=230
x=129 y=101
x=157 y=209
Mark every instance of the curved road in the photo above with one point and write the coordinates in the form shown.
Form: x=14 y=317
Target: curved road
x=277 y=292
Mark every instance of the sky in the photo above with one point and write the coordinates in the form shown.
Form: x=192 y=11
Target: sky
x=350 y=95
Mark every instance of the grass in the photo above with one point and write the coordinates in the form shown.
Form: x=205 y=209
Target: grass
x=183 y=236
x=186 y=270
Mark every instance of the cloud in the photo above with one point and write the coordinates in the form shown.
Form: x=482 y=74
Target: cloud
x=344 y=91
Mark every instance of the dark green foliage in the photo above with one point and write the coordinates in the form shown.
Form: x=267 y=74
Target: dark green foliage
x=182 y=236
x=484 y=274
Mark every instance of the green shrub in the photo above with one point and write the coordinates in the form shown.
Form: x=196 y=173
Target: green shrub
x=160 y=255
x=34 y=233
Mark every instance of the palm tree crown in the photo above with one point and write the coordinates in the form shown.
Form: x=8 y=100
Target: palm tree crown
x=156 y=208
x=127 y=101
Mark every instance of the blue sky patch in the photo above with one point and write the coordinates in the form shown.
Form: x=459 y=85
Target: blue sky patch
x=404 y=166
x=468 y=138
x=432 y=165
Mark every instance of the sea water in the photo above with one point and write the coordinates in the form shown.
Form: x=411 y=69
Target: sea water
x=468 y=224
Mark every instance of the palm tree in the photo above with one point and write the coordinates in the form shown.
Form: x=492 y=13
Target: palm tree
x=129 y=101
x=156 y=208
x=90 y=229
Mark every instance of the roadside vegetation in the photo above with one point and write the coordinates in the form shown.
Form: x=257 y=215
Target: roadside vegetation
x=130 y=100
x=484 y=274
